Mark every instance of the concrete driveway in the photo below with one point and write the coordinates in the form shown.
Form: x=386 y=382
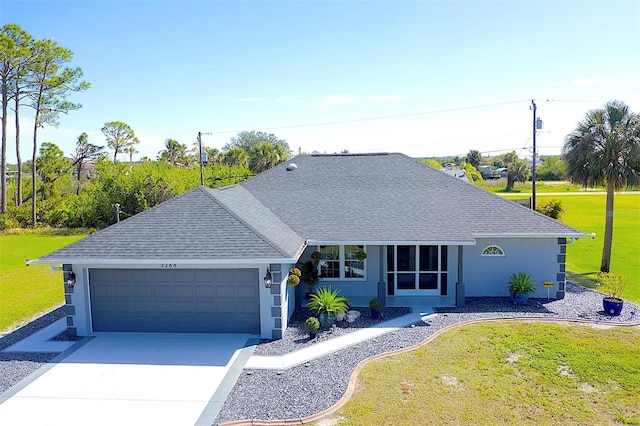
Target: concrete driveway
x=131 y=379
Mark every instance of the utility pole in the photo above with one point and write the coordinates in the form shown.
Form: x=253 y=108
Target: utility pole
x=201 y=156
x=533 y=170
x=537 y=125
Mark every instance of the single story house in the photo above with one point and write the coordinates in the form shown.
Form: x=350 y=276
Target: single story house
x=203 y=261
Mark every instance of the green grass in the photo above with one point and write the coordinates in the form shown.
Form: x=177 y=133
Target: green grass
x=498 y=185
x=505 y=373
x=26 y=292
x=587 y=213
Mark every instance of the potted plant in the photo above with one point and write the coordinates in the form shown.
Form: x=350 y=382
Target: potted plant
x=309 y=272
x=325 y=304
x=376 y=306
x=293 y=280
x=613 y=285
x=520 y=285
x=312 y=325
x=294 y=277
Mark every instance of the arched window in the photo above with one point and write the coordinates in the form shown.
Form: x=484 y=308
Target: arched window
x=492 y=251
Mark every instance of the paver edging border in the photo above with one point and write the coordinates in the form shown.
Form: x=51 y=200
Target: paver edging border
x=351 y=387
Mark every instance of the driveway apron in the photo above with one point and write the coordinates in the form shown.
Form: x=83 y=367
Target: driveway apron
x=128 y=379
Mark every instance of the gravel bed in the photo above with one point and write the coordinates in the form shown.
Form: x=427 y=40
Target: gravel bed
x=313 y=387
x=39 y=323
x=14 y=366
x=296 y=336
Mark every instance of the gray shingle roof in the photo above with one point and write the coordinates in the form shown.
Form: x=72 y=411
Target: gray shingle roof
x=331 y=198
x=389 y=197
x=194 y=225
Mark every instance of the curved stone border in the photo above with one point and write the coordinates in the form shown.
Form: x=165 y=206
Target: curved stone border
x=351 y=387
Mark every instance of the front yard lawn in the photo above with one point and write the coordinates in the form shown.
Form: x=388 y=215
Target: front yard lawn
x=26 y=292
x=505 y=373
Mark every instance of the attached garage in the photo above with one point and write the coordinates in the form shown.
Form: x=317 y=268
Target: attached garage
x=175 y=300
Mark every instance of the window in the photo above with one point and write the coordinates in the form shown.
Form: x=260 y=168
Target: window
x=492 y=251
x=353 y=268
x=330 y=261
x=417 y=268
x=341 y=262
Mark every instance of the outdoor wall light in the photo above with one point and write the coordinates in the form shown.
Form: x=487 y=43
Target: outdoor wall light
x=268 y=279
x=71 y=279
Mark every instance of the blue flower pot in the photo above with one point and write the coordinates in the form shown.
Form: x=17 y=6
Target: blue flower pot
x=612 y=305
x=326 y=320
x=519 y=299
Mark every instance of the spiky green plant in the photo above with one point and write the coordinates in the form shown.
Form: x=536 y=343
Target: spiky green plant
x=327 y=301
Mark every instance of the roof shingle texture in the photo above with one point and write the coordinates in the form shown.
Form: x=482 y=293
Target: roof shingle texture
x=388 y=197
x=193 y=225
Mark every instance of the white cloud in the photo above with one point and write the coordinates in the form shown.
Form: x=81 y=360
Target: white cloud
x=284 y=99
x=586 y=81
x=387 y=98
x=251 y=99
x=343 y=99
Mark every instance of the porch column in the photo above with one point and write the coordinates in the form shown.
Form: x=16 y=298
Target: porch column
x=460 y=284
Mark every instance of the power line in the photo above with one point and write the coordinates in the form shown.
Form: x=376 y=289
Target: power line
x=382 y=117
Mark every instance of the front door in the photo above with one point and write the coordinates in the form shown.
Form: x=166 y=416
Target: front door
x=417 y=270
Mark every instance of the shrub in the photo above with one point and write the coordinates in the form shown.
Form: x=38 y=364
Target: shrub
x=375 y=305
x=552 y=208
x=612 y=284
x=521 y=283
x=312 y=324
x=327 y=301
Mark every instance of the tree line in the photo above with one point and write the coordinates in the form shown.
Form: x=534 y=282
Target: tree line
x=83 y=189
x=35 y=74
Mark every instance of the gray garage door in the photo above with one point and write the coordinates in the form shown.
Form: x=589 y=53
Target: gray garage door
x=175 y=300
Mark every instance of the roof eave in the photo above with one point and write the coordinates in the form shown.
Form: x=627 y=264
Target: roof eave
x=392 y=242
x=158 y=262
x=574 y=235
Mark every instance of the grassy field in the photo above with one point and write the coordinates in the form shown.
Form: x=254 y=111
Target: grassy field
x=587 y=213
x=498 y=185
x=506 y=373
x=26 y=292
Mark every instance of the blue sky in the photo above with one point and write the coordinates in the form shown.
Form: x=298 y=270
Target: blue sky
x=426 y=78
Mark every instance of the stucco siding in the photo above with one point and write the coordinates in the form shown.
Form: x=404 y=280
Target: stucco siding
x=488 y=275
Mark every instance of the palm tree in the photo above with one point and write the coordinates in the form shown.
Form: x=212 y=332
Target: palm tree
x=265 y=155
x=236 y=157
x=131 y=150
x=174 y=153
x=517 y=171
x=605 y=150
x=474 y=157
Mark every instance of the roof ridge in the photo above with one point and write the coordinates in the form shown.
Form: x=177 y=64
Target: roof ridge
x=209 y=192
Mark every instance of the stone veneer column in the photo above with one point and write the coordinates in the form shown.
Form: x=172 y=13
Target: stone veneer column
x=69 y=307
x=561 y=276
x=276 y=308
